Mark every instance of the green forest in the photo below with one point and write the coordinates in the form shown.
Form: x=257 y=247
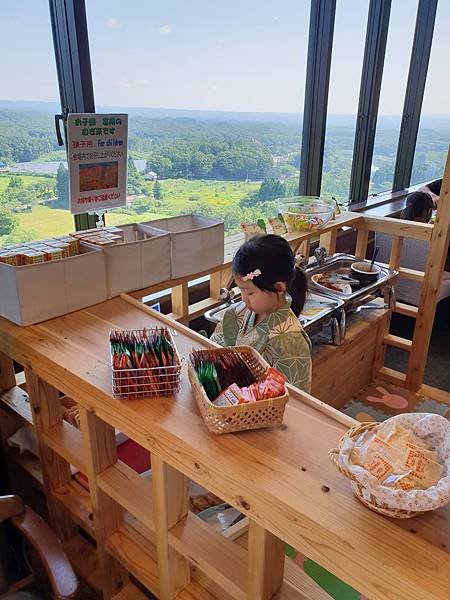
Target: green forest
x=232 y=169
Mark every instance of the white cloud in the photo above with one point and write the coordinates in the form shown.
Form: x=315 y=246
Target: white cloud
x=128 y=83
x=113 y=23
x=165 y=29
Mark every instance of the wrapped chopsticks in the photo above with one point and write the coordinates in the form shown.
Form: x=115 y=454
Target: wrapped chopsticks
x=144 y=362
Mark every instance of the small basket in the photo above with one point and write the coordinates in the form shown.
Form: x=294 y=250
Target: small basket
x=142 y=383
x=359 y=490
x=241 y=417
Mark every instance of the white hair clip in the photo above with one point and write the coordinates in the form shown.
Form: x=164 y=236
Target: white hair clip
x=250 y=276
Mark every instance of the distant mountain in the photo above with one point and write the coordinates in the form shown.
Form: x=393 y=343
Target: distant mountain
x=384 y=122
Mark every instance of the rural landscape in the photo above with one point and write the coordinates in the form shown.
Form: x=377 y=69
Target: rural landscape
x=234 y=166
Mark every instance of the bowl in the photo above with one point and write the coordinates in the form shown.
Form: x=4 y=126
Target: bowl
x=365 y=272
x=306 y=213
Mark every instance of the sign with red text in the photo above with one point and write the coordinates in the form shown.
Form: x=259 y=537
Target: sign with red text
x=97 y=157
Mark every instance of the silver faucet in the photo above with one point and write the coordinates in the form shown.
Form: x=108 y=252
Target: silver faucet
x=226 y=295
x=320 y=255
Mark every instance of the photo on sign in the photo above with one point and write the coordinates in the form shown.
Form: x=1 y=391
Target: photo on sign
x=99 y=176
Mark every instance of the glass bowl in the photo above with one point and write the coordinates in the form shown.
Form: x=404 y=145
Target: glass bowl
x=306 y=213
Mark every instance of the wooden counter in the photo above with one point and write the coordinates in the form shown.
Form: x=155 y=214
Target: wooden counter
x=282 y=479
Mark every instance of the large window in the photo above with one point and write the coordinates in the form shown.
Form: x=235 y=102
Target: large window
x=345 y=77
x=393 y=87
x=214 y=97
x=33 y=183
x=434 y=130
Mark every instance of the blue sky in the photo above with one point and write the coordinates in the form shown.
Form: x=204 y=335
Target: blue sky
x=240 y=55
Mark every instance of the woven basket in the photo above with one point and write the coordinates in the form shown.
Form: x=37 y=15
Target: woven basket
x=252 y=415
x=359 y=490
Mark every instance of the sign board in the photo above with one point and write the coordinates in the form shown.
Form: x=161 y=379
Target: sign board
x=97 y=157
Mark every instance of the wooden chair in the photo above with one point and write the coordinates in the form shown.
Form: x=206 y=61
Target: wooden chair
x=48 y=554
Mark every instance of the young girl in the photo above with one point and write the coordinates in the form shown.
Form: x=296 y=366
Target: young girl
x=273 y=294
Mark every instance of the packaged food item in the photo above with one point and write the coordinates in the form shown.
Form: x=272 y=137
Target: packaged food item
x=252 y=229
x=397 y=458
x=32 y=258
x=278 y=225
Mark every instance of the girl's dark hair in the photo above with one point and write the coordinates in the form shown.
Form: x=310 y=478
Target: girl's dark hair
x=272 y=255
x=417 y=206
x=435 y=186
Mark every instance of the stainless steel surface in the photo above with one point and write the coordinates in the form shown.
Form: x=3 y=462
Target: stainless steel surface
x=344 y=262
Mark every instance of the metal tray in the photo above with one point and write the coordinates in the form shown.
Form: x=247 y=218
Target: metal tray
x=344 y=261
x=329 y=306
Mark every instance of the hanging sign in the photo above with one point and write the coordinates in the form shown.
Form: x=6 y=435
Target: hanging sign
x=97 y=157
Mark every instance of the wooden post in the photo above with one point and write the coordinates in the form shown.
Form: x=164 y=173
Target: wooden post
x=180 y=301
x=430 y=288
x=218 y=280
x=361 y=243
x=396 y=252
x=100 y=452
x=7 y=376
x=265 y=563
x=46 y=410
x=328 y=241
x=170 y=501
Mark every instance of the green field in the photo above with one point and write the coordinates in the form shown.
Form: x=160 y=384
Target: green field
x=179 y=195
x=26 y=179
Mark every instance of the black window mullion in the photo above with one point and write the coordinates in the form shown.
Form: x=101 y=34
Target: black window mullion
x=71 y=44
x=369 y=97
x=415 y=88
x=321 y=30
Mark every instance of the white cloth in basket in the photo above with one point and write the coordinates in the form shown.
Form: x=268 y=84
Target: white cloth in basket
x=435 y=431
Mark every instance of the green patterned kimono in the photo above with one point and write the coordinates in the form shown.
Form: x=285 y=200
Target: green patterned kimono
x=279 y=338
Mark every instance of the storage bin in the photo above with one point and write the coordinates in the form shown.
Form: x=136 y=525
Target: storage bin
x=142 y=260
x=197 y=243
x=37 y=292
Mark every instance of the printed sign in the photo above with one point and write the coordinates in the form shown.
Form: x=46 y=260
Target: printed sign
x=97 y=156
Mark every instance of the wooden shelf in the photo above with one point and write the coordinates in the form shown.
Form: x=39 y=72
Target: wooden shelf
x=130 y=490
x=16 y=400
x=84 y=560
x=136 y=554
x=222 y=560
x=77 y=501
x=65 y=440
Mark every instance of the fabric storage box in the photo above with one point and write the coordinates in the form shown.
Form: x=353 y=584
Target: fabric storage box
x=142 y=260
x=37 y=292
x=197 y=243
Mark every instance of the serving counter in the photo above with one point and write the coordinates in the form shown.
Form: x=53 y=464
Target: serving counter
x=282 y=479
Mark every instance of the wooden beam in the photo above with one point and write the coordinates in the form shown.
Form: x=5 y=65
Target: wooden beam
x=361 y=243
x=437 y=256
x=406 y=309
x=265 y=563
x=398 y=342
x=170 y=499
x=100 y=451
x=392 y=376
x=396 y=252
x=180 y=301
x=397 y=227
x=47 y=413
x=328 y=241
x=7 y=377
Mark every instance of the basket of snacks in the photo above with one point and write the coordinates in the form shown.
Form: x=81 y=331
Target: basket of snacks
x=306 y=213
x=399 y=468
x=144 y=362
x=236 y=389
